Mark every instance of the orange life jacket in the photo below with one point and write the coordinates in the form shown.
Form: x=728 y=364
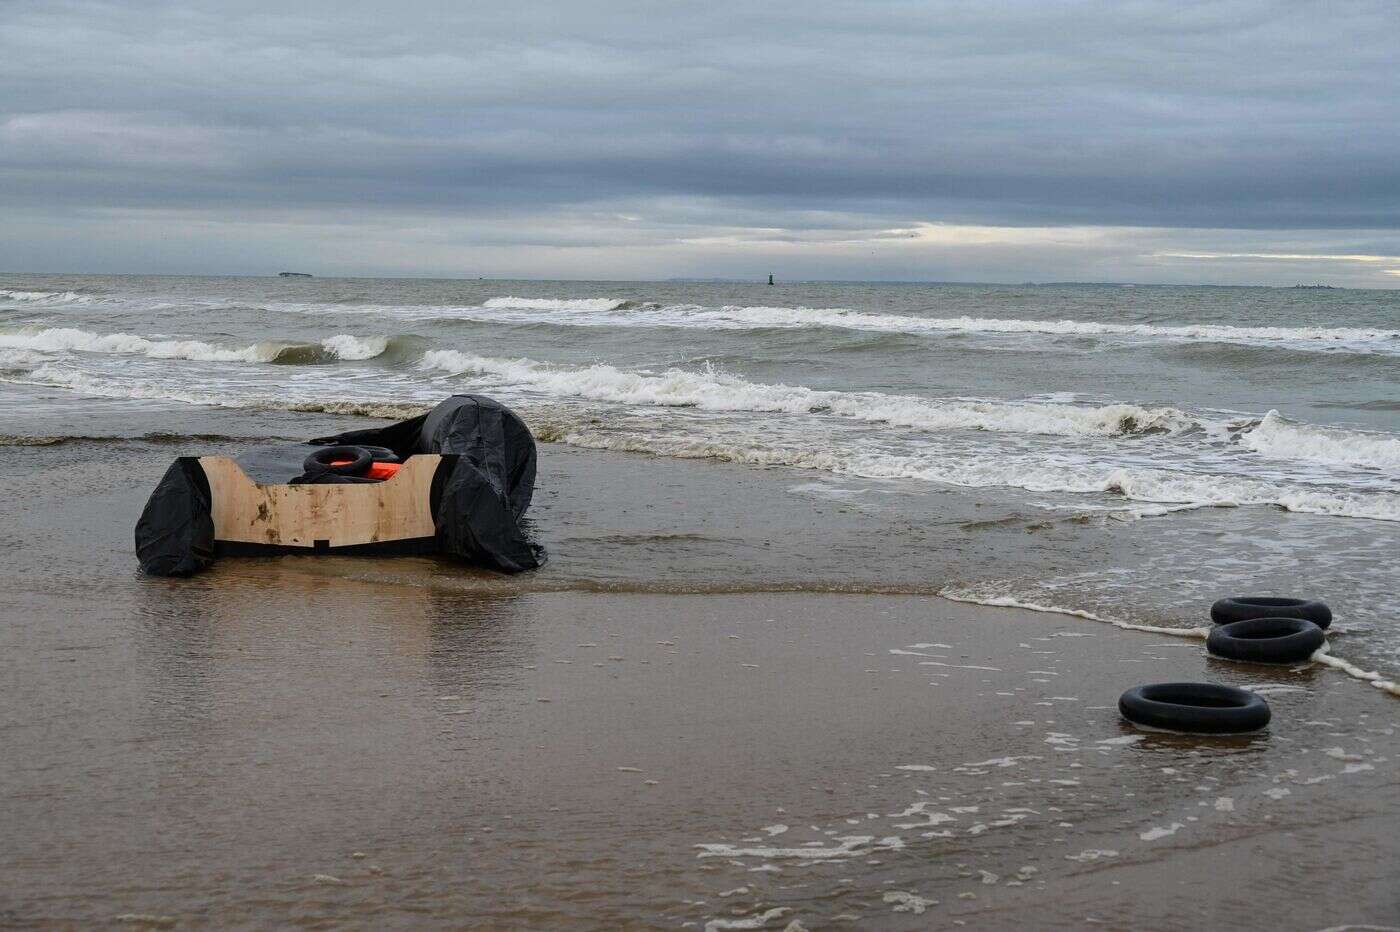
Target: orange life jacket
x=376 y=470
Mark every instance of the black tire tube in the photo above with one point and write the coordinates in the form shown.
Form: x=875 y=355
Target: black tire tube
x=1266 y=640
x=1243 y=608
x=320 y=462
x=380 y=454
x=1205 y=708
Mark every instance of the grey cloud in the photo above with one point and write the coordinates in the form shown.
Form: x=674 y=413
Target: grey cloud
x=1251 y=115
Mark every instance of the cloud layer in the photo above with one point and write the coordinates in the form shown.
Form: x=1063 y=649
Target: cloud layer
x=1146 y=141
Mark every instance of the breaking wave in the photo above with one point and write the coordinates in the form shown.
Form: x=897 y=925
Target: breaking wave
x=354 y=349
x=1276 y=438
x=755 y=443
x=68 y=339
x=599 y=312
x=558 y=304
x=838 y=317
x=1345 y=339
x=43 y=297
x=629 y=313
x=711 y=390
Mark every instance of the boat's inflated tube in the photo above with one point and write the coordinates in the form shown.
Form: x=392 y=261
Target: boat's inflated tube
x=1243 y=608
x=1266 y=640
x=1206 y=708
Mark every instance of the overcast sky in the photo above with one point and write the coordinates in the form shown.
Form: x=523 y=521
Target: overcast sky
x=1223 y=142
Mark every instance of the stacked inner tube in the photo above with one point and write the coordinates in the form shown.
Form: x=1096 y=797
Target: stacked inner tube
x=1265 y=629
x=1246 y=607
x=343 y=464
x=1266 y=640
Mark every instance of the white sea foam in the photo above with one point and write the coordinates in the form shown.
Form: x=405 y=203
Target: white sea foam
x=758 y=921
x=556 y=304
x=837 y=317
x=1277 y=438
x=906 y=902
x=712 y=390
x=848 y=846
x=1324 y=656
x=1006 y=601
x=11 y=358
x=1092 y=854
x=43 y=297
x=990 y=470
x=1138 y=483
x=285 y=397
x=70 y=339
x=1155 y=833
x=756 y=446
x=86 y=383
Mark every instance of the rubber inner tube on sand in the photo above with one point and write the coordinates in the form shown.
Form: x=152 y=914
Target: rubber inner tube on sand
x=1245 y=607
x=1266 y=640
x=1207 y=708
x=324 y=461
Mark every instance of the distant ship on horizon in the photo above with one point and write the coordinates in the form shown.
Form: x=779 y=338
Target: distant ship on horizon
x=294 y=275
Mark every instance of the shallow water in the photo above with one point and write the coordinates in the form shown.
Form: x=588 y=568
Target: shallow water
x=1187 y=442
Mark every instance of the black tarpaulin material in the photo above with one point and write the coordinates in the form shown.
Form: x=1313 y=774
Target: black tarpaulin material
x=481 y=489
x=175 y=534
x=477 y=513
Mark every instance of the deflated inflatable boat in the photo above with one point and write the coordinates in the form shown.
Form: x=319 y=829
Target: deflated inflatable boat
x=454 y=481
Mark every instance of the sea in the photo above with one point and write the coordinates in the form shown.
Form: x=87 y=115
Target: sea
x=1128 y=453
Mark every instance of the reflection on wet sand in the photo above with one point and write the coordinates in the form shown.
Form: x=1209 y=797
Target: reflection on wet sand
x=197 y=635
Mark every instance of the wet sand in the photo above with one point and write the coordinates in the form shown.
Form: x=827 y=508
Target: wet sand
x=329 y=742
x=398 y=756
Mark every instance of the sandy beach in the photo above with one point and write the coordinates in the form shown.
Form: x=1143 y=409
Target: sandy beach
x=328 y=742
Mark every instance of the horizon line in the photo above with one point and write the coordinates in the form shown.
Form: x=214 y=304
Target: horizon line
x=760 y=280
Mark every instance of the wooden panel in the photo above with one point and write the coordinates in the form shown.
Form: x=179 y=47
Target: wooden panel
x=300 y=515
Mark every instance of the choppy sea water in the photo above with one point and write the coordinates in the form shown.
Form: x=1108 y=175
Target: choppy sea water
x=1201 y=441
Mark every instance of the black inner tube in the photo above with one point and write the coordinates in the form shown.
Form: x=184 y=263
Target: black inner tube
x=1206 y=708
x=1266 y=640
x=324 y=460
x=1244 y=608
x=321 y=466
